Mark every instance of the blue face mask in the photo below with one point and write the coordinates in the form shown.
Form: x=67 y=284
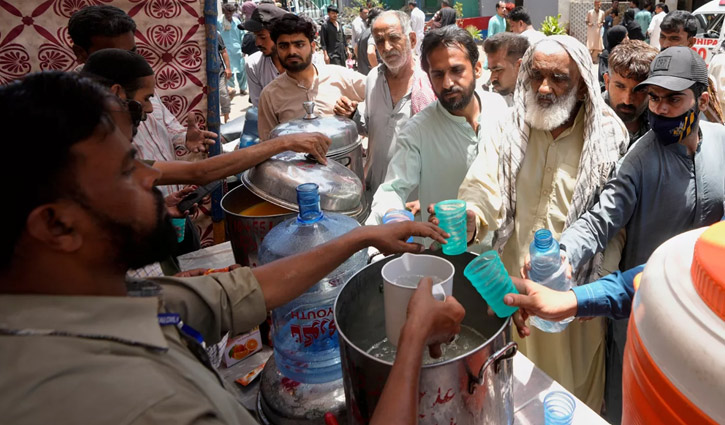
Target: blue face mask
x=673 y=130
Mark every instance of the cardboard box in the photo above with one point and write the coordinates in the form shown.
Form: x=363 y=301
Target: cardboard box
x=242 y=346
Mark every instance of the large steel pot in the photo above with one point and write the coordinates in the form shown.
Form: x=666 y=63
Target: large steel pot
x=346 y=147
x=474 y=388
x=244 y=232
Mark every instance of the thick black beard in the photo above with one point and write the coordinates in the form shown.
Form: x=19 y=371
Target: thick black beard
x=132 y=249
x=462 y=103
x=298 y=67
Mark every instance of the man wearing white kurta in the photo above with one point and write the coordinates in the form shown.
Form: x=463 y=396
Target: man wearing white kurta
x=595 y=20
x=417 y=21
x=654 y=26
x=436 y=147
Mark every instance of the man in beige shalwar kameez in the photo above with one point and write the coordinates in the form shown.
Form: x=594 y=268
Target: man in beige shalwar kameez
x=563 y=146
x=595 y=21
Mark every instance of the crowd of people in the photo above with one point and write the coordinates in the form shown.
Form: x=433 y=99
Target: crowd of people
x=613 y=167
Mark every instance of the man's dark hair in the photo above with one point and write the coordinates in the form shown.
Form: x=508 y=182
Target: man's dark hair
x=445 y=3
x=520 y=14
x=117 y=66
x=514 y=44
x=698 y=89
x=229 y=7
x=372 y=14
x=680 y=19
x=663 y=6
x=631 y=59
x=415 y=2
x=292 y=24
x=62 y=109
x=93 y=21
x=448 y=36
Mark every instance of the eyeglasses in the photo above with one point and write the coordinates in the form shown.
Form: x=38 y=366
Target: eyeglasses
x=135 y=109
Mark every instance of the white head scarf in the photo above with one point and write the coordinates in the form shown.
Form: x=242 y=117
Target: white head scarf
x=605 y=141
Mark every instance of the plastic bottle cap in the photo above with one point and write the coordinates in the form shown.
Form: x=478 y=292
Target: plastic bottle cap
x=708 y=268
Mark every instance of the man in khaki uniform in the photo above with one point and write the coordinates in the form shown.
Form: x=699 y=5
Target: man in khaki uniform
x=81 y=345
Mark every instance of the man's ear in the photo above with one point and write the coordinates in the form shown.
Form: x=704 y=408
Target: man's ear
x=691 y=41
x=413 y=39
x=478 y=70
x=606 y=80
x=118 y=91
x=55 y=226
x=703 y=101
x=81 y=54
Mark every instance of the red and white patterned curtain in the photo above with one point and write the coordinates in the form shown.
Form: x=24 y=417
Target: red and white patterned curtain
x=170 y=35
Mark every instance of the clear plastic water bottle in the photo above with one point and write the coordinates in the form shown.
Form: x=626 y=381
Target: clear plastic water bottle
x=250 y=133
x=548 y=270
x=306 y=347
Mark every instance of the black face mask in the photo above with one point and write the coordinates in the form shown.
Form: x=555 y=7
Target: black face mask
x=673 y=130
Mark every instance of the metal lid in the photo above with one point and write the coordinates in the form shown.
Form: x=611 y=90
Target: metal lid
x=341 y=130
x=276 y=180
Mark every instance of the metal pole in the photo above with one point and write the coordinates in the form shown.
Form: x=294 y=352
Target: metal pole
x=212 y=82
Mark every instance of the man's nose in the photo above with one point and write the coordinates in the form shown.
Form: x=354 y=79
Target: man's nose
x=545 y=88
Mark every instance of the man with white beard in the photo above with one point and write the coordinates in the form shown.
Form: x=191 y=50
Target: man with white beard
x=562 y=148
x=394 y=91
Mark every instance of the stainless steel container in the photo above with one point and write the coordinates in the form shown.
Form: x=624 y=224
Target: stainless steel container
x=245 y=232
x=474 y=388
x=276 y=180
x=346 y=147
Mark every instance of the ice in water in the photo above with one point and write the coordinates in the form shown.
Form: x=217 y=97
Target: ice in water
x=412 y=280
x=463 y=343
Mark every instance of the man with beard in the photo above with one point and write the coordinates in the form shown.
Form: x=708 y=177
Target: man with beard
x=302 y=81
x=129 y=76
x=670 y=181
x=679 y=28
x=263 y=66
x=84 y=342
x=161 y=136
x=394 y=91
x=436 y=146
x=557 y=156
x=628 y=66
x=504 y=52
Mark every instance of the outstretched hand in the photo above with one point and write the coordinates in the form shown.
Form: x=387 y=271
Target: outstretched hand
x=437 y=321
x=470 y=220
x=391 y=238
x=315 y=144
x=538 y=300
x=197 y=140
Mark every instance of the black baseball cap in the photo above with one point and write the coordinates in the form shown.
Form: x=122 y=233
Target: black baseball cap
x=676 y=69
x=332 y=8
x=262 y=17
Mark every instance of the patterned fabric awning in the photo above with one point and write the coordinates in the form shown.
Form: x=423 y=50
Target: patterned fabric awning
x=170 y=35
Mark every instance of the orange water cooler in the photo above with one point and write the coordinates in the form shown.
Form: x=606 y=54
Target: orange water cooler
x=674 y=360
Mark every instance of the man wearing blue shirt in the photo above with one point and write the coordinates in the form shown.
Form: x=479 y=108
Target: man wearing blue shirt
x=497 y=23
x=610 y=296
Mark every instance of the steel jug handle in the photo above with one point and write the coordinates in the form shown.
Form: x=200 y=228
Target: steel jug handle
x=508 y=351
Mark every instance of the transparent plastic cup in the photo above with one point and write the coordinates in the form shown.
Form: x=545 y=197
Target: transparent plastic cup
x=488 y=275
x=452 y=218
x=559 y=408
x=395 y=216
